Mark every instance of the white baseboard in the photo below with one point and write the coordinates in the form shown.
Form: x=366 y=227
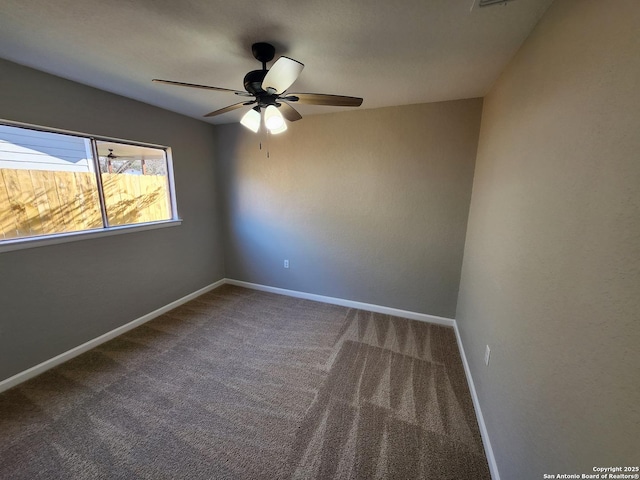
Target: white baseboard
x=422 y=317
x=493 y=467
x=74 y=352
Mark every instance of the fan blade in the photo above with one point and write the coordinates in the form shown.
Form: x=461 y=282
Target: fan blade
x=282 y=75
x=289 y=112
x=235 y=106
x=205 y=87
x=322 y=99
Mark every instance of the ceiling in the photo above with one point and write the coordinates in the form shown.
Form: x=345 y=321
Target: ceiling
x=390 y=53
x=125 y=151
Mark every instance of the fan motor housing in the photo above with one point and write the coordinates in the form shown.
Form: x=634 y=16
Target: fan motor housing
x=253 y=82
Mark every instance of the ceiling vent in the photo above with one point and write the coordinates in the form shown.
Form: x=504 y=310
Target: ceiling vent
x=489 y=3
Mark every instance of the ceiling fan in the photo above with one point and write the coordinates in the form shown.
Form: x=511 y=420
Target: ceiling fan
x=269 y=89
x=111 y=156
x=108 y=165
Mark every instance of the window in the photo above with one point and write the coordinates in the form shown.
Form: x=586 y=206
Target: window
x=54 y=183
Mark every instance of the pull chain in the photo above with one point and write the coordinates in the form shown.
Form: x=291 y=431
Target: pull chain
x=266 y=144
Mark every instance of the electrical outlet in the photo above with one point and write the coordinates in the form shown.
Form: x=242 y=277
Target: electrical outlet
x=286 y=264
x=487 y=354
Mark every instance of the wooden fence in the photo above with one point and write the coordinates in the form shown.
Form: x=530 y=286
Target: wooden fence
x=38 y=202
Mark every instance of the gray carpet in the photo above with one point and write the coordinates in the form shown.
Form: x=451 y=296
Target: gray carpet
x=240 y=384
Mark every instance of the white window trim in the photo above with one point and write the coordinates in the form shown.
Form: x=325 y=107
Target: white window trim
x=65 y=237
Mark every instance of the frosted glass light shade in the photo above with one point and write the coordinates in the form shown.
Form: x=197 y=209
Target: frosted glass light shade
x=251 y=120
x=283 y=128
x=273 y=120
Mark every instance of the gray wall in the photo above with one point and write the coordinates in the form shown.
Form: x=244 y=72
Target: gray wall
x=56 y=297
x=551 y=275
x=368 y=205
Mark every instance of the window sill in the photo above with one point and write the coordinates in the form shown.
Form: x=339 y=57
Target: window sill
x=45 y=240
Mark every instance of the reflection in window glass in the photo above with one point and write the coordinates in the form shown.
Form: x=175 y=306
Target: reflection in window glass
x=135 y=183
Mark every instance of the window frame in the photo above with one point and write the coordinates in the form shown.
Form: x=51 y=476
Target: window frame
x=106 y=229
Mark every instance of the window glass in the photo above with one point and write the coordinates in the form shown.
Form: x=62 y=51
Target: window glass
x=53 y=183
x=47 y=184
x=135 y=183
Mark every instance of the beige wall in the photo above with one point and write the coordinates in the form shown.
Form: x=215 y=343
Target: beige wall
x=368 y=205
x=551 y=274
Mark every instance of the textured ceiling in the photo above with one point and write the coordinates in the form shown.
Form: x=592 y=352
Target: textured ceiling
x=411 y=51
